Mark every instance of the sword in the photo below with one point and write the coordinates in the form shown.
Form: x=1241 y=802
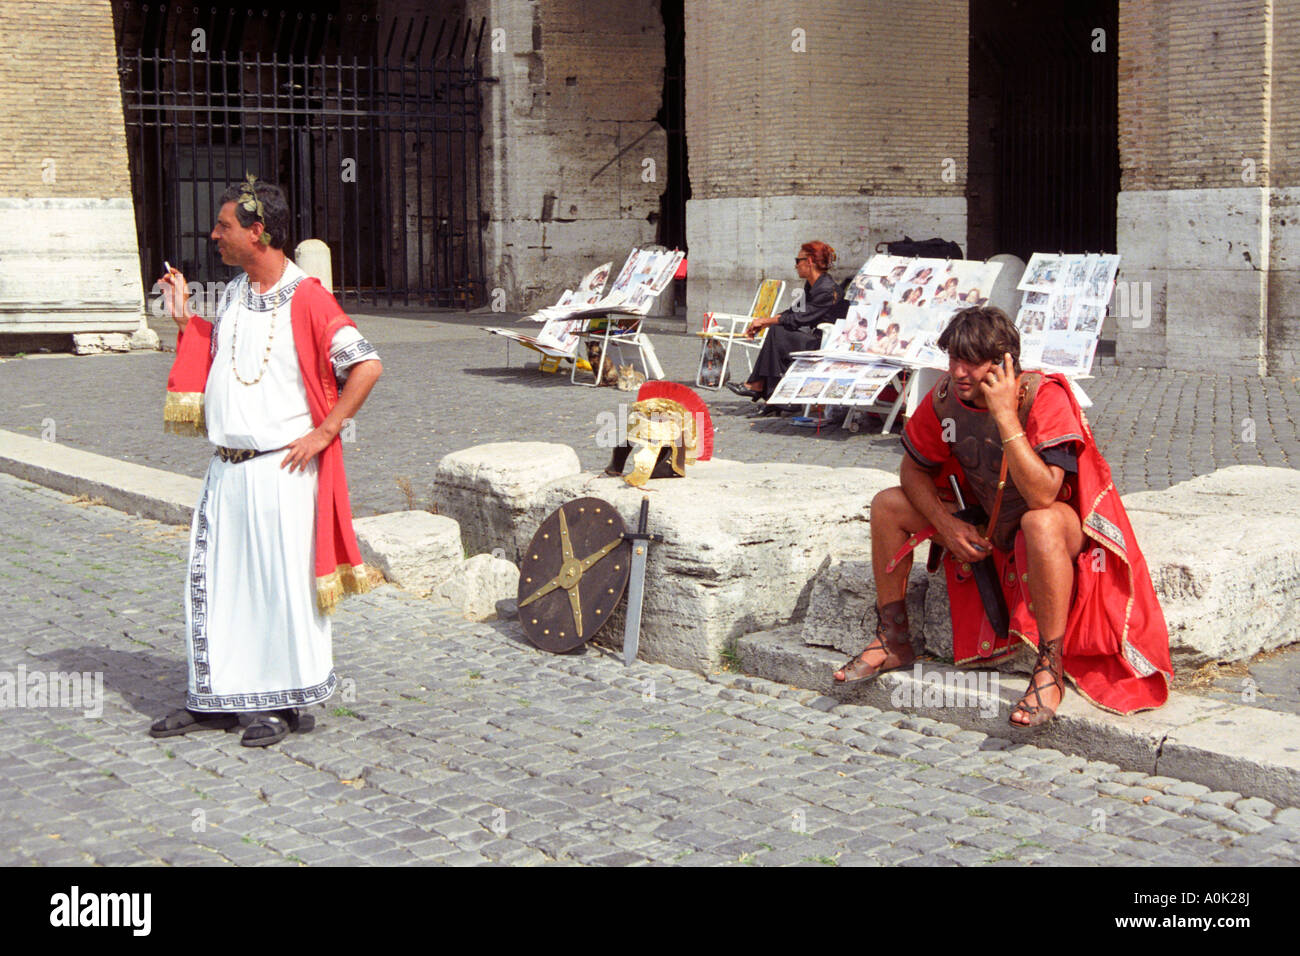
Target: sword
x=986 y=581
x=636 y=581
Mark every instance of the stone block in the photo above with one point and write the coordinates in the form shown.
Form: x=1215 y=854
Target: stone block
x=841 y=606
x=490 y=489
x=92 y=343
x=476 y=586
x=415 y=549
x=743 y=545
x=145 y=339
x=1233 y=598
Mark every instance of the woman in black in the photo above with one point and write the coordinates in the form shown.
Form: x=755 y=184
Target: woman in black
x=795 y=329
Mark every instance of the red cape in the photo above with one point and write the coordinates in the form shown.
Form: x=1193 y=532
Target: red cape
x=315 y=316
x=1116 y=647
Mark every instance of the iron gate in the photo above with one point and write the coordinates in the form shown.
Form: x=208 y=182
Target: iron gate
x=1049 y=72
x=372 y=128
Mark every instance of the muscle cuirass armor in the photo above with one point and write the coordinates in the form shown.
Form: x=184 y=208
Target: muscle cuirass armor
x=978 y=449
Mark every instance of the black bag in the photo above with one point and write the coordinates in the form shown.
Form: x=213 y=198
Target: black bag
x=935 y=248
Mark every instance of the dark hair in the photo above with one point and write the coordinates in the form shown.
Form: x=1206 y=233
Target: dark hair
x=819 y=254
x=275 y=209
x=981 y=334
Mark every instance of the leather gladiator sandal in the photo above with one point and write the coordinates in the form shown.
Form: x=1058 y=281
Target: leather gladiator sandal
x=1049 y=660
x=892 y=636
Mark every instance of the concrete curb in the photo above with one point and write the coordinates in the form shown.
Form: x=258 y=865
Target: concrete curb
x=135 y=489
x=1223 y=746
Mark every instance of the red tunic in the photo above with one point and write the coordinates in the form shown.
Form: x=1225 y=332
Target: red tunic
x=1116 y=648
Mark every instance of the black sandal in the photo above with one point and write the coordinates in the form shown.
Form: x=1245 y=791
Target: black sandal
x=1049 y=660
x=270 y=728
x=184 y=720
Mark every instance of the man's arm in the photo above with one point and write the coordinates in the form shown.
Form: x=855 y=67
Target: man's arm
x=962 y=539
x=361 y=379
x=1037 y=481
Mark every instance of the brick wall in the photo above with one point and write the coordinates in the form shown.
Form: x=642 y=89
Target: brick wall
x=1193 y=93
x=60 y=101
x=874 y=105
x=574 y=160
x=1284 y=151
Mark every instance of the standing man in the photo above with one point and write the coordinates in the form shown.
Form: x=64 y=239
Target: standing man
x=272 y=550
x=1060 y=566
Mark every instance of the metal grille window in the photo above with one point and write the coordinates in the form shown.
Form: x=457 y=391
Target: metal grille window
x=372 y=128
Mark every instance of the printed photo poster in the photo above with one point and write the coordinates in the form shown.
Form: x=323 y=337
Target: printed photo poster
x=624 y=281
x=594 y=281
x=1059 y=310
x=919 y=281
x=1031 y=319
x=665 y=268
x=1089 y=317
x=895 y=331
x=879 y=276
x=786 y=389
x=645 y=270
x=1041 y=273
x=1068 y=352
x=923 y=348
x=870 y=382
x=974 y=282
x=857 y=330
x=1075 y=269
x=561 y=334
x=838 y=388
x=1101 y=280
x=812 y=387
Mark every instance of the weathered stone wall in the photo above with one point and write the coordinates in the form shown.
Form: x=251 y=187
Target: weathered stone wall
x=804 y=124
x=1208 y=124
x=573 y=159
x=69 y=261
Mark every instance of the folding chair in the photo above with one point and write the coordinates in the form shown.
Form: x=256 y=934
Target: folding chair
x=728 y=329
x=617 y=331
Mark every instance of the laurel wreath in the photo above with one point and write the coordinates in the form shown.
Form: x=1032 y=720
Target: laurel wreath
x=249 y=202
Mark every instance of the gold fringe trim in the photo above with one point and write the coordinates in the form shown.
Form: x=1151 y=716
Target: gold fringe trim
x=183 y=414
x=343 y=580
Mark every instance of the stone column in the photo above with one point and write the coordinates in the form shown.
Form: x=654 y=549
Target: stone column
x=839 y=121
x=574 y=161
x=1209 y=122
x=69 y=262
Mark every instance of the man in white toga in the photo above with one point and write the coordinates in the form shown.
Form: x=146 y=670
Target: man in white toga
x=270 y=382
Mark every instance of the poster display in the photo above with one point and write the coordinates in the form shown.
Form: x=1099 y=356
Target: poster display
x=1063 y=308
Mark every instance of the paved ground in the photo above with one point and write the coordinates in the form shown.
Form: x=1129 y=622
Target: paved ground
x=446 y=386
x=458 y=743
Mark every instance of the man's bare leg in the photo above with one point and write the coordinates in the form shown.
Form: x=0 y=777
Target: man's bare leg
x=1053 y=539
x=893 y=521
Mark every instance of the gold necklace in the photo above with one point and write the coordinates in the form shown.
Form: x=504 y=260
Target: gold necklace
x=234 y=335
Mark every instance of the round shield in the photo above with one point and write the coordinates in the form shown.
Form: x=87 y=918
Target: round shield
x=573 y=574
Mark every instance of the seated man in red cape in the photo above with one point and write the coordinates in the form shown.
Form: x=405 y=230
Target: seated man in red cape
x=1052 y=561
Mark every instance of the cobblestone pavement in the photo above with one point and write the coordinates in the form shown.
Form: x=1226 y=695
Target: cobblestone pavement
x=454 y=742
x=446 y=386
